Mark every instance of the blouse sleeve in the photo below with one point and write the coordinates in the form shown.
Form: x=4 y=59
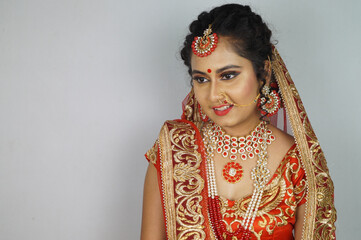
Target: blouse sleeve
x=299 y=183
x=152 y=155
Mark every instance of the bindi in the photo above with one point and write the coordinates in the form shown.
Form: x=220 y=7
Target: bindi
x=209 y=70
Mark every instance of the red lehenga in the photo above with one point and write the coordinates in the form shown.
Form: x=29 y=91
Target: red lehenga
x=301 y=178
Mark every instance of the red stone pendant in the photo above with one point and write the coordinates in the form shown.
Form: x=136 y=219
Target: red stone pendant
x=232 y=172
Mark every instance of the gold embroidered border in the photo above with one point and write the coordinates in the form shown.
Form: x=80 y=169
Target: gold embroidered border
x=182 y=183
x=320 y=212
x=166 y=169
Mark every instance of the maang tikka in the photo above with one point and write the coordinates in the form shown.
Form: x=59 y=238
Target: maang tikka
x=204 y=46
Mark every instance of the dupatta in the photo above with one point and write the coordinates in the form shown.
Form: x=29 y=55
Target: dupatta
x=179 y=157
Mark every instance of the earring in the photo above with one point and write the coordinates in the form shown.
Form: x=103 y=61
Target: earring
x=270 y=107
x=204 y=117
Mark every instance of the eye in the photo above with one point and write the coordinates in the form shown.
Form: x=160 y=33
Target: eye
x=229 y=75
x=200 y=79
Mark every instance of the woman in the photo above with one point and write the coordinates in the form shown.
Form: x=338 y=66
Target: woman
x=226 y=170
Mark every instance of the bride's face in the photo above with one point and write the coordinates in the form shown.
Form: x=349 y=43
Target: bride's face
x=224 y=71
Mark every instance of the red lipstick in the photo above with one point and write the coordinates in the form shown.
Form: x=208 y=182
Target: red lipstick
x=222 y=112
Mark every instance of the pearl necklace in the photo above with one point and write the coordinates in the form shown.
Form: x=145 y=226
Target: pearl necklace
x=260 y=175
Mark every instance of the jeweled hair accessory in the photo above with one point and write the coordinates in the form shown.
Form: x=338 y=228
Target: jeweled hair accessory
x=204 y=46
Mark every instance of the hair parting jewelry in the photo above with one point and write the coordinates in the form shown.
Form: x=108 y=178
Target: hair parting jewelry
x=228 y=100
x=204 y=46
x=270 y=65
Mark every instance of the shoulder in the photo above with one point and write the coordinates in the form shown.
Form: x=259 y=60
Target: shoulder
x=283 y=138
x=173 y=133
x=283 y=143
x=179 y=125
x=175 y=127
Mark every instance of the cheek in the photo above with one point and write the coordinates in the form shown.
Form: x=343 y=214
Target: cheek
x=199 y=94
x=245 y=89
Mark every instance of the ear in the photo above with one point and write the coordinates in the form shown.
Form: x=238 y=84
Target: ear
x=268 y=71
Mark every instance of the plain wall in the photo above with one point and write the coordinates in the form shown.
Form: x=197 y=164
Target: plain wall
x=86 y=85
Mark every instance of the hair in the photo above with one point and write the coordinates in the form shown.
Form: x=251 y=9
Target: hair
x=245 y=30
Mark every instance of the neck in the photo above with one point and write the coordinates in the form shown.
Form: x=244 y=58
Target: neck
x=242 y=129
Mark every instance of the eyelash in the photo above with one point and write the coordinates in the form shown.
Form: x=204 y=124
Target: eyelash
x=204 y=80
x=200 y=79
x=234 y=74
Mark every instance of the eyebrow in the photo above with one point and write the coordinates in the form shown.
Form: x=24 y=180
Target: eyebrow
x=217 y=71
x=227 y=67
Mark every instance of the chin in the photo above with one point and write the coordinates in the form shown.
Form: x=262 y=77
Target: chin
x=231 y=122
x=228 y=122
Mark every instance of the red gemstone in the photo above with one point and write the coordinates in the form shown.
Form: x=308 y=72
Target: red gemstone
x=232 y=172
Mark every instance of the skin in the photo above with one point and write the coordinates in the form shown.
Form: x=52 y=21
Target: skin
x=152 y=220
x=235 y=76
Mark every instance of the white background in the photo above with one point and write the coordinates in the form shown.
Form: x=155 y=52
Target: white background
x=86 y=85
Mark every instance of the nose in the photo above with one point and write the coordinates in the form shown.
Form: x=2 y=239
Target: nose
x=215 y=92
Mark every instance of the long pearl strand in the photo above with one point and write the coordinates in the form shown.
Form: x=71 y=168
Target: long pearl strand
x=260 y=175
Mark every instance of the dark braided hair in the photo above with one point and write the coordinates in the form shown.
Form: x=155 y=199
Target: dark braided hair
x=245 y=31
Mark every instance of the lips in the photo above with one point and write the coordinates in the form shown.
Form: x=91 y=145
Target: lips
x=222 y=109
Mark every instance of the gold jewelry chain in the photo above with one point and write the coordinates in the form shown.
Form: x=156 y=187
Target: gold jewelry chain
x=238 y=105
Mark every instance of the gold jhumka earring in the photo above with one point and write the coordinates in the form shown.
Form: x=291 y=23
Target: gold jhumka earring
x=271 y=106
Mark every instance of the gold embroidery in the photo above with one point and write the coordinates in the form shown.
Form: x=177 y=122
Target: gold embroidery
x=320 y=210
x=270 y=215
x=188 y=183
x=166 y=172
x=152 y=153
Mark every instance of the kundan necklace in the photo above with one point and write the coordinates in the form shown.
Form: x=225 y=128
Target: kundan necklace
x=245 y=147
x=260 y=175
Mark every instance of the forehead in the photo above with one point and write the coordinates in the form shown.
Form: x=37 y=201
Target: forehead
x=223 y=55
